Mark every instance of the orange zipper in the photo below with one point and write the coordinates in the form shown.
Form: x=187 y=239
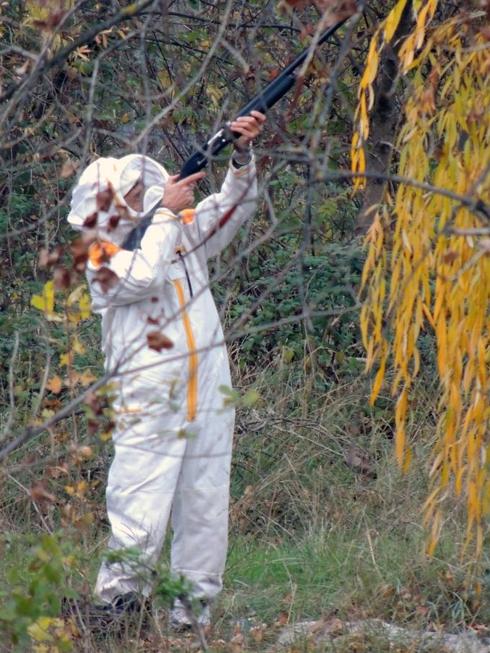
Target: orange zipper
x=193 y=357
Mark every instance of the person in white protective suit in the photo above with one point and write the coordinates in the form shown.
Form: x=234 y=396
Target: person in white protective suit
x=162 y=338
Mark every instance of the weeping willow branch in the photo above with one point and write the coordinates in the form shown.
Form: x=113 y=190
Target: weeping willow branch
x=425 y=269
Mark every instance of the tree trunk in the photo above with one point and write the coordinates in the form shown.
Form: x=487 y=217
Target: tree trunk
x=383 y=123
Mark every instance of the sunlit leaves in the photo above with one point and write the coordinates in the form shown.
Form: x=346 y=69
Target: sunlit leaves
x=383 y=36
x=393 y=20
x=75 y=308
x=45 y=301
x=427 y=270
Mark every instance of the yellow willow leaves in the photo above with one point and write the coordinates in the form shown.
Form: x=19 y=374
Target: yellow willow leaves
x=423 y=12
x=427 y=270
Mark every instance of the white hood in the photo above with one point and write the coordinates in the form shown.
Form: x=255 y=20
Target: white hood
x=98 y=203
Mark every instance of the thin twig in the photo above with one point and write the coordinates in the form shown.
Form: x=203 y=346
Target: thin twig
x=10 y=418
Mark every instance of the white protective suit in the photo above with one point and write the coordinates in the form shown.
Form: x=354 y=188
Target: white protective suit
x=173 y=434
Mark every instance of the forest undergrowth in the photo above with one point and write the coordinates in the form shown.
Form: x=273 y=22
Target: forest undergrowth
x=323 y=526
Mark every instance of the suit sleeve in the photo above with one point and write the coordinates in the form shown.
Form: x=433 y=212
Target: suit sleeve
x=237 y=201
x=132 y=276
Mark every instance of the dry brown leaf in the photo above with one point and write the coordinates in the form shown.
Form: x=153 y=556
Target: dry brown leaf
x=57 y=470
x=282 y=619
x=158 y=341
x=79 y=249
x=68 y=168
x=61 y=278
x=46 y=258
x=91 y=220
x=107 y=278
x=237 y=642
x=103 y=199
x=55 y=384
x=257 y=633
x=359 y=460
x=40 y=494
x=94 y=402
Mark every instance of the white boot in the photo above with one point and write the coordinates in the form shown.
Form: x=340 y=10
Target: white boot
x=180 y=619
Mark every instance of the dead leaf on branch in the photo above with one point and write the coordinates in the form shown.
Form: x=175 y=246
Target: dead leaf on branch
x=20 y=71
x=103 y=199
x=94 y=403
x=46 y=258
x=82 y=53
x=79 y=250
x=68 y=168
x=62 y=278
x=113 y=222
x=102 y=38
x=54 y=385
x=107 y=278
x=91 y=220
x=40 y=494
x=158 y=341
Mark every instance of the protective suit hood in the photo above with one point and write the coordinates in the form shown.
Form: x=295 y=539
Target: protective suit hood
x=98 y=202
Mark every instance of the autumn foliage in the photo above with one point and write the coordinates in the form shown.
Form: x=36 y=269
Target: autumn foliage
x=428 y=262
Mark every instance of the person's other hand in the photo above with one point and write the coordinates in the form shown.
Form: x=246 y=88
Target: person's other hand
x=249 y=127
x=179 y=194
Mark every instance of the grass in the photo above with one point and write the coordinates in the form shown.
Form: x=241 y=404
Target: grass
x=323 y=525
x=346 y=574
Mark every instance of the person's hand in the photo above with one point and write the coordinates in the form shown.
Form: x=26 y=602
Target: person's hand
x=249 y=127
x=179 y=194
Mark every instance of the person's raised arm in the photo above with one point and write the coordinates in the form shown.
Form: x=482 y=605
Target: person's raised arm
x=220 y=215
